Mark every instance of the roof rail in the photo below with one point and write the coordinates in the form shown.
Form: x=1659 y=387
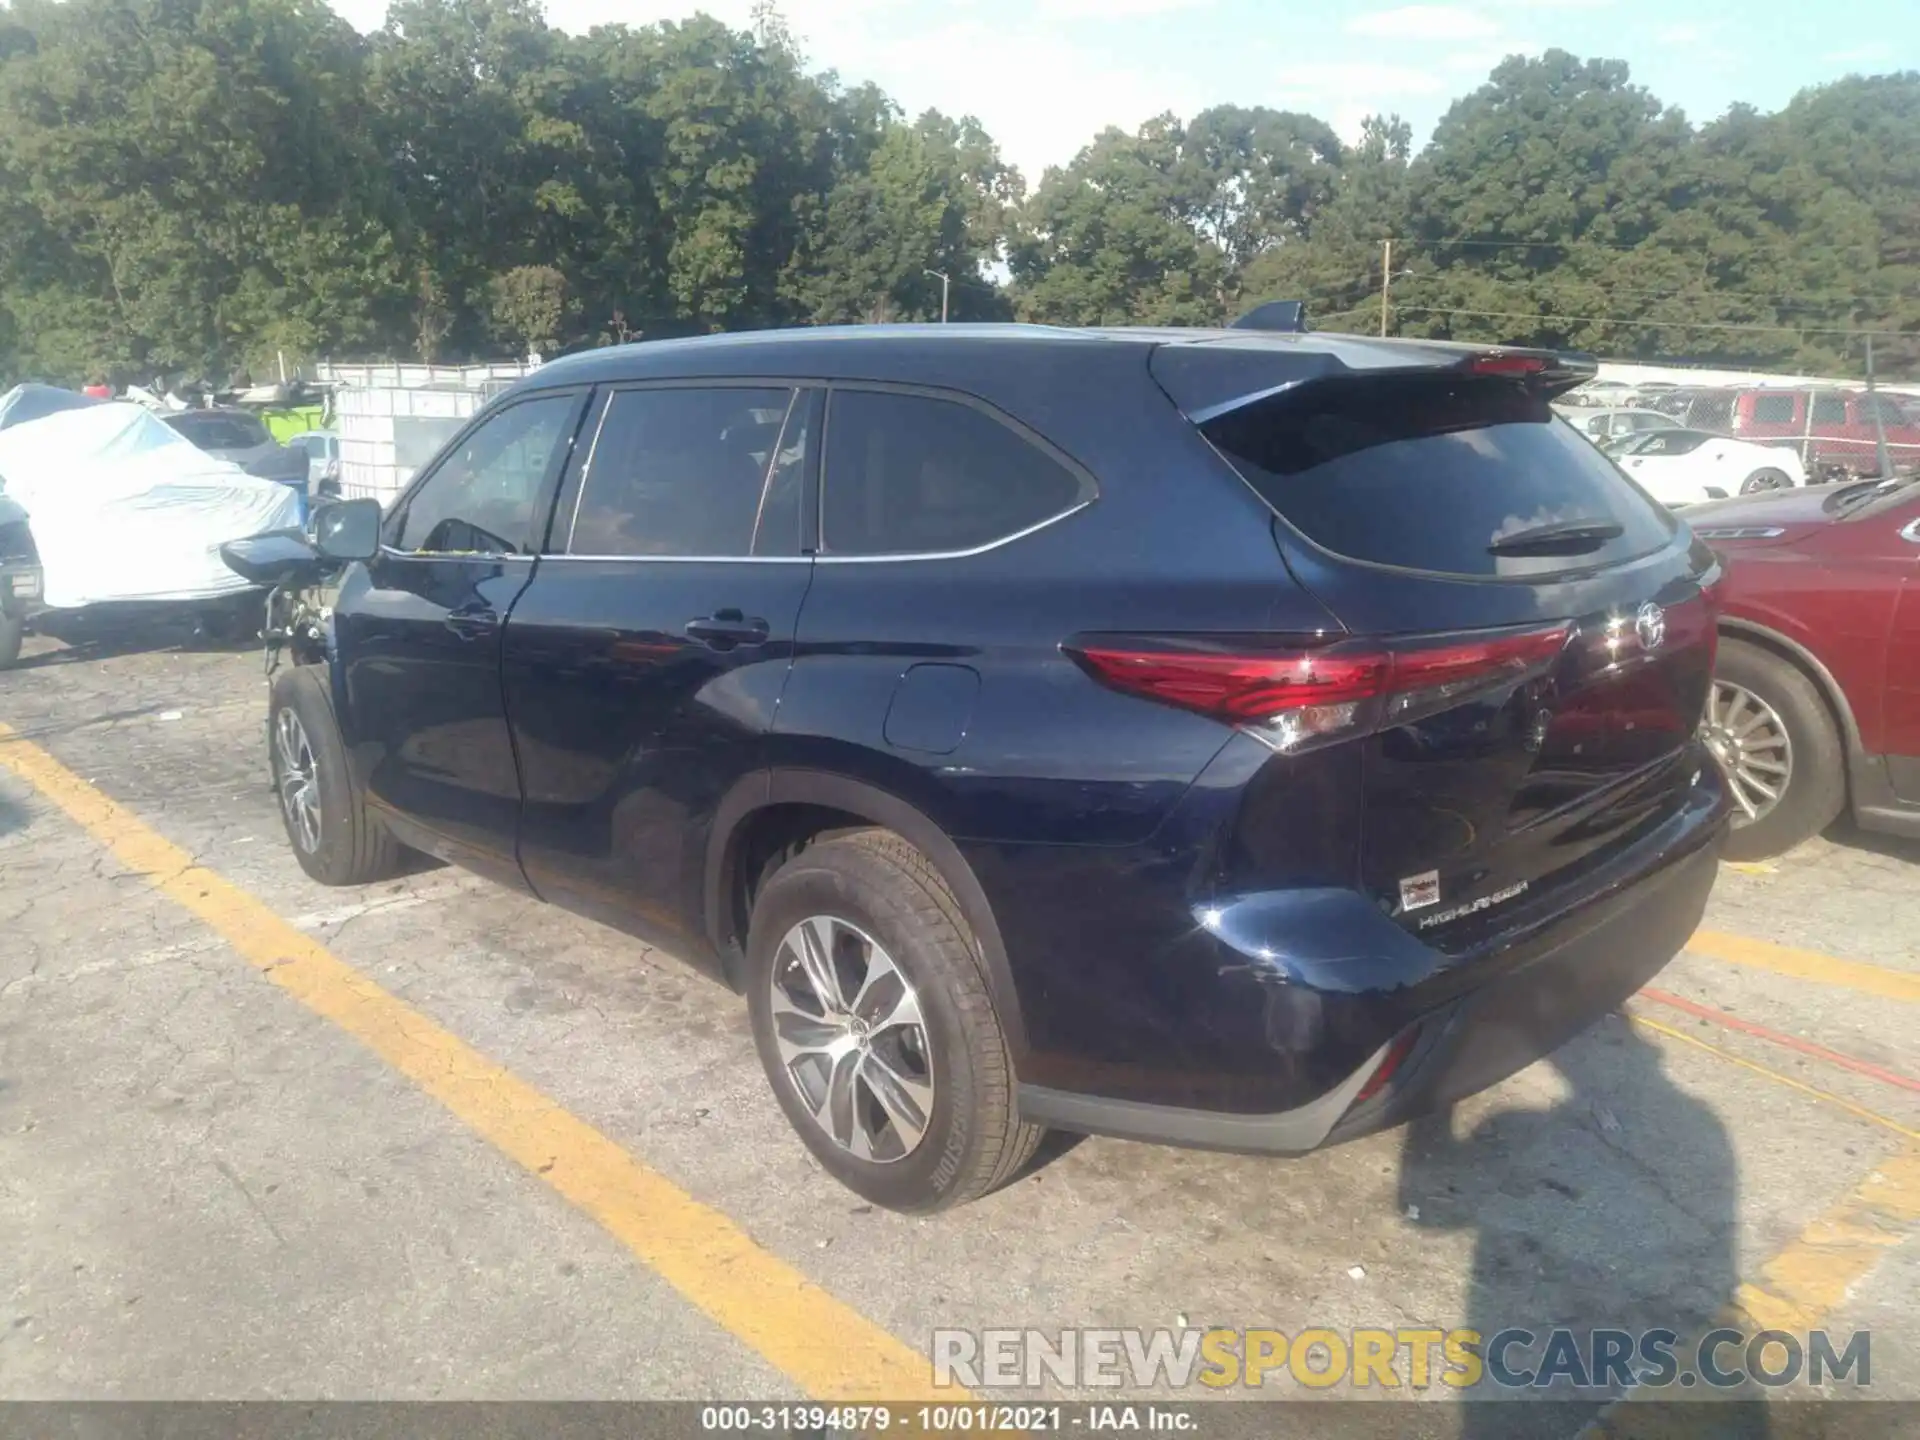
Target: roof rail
x=1286 y=315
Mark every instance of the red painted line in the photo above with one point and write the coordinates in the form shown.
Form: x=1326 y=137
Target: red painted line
x=1776 y=1037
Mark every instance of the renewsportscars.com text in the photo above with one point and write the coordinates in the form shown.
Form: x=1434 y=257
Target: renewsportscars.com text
x=1399 y=1358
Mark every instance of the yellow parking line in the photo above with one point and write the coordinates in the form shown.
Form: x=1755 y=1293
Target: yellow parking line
x=1876 y=980
x=1801 y=1287
x=827 y=1348
x=1808 y=1281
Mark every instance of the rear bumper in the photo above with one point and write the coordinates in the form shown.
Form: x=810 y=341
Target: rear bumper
x=21 y=588
x=1541 y=987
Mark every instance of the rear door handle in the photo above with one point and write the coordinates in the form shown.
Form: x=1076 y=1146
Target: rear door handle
x=725 y=629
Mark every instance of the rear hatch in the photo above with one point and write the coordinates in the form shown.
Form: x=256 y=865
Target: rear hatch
x=1540 y=640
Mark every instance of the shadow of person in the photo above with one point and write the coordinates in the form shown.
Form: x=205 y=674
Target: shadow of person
x=1609 y=1214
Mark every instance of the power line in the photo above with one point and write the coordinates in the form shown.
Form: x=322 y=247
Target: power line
x=1639 y=324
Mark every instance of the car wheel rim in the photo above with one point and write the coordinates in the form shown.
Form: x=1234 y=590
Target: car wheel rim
x=1767 y=480
x=1749 y=740
x=299 y=779
x=852 y=1042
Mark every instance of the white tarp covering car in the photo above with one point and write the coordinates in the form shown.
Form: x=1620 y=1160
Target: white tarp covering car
x=124 y=509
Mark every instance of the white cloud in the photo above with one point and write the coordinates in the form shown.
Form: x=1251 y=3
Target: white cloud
x=1479 y=60
x=1115 y=9
x=1869 y=54
x=1423 y=22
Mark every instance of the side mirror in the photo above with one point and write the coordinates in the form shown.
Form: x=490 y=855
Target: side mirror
x=346 y=529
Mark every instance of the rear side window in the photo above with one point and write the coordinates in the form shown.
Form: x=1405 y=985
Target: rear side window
x=1830 y=410
x=915 y=475
x=1775 y=410
x=1426 y=473
x=684 y=473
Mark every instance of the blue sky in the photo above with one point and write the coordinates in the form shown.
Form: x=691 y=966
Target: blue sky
x=1045 y=75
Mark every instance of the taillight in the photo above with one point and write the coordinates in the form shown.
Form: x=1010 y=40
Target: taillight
x=1296 y=695
x=1496 y=363
x=1389 y=1064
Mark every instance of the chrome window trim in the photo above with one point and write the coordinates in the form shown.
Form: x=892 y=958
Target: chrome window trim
x=1911 y=531
x=464 y=557
x=889 y=559
x=895 y=557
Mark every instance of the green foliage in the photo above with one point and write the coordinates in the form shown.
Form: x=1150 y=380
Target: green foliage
x=201 y=187
x=528 y=306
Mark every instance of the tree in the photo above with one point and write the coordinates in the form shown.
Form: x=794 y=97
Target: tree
x=529 y=305
x=186 y=184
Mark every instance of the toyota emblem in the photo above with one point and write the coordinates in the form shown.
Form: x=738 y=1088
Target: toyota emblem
x=1650 y=624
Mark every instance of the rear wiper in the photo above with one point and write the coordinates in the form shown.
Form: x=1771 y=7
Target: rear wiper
x=1566 y=537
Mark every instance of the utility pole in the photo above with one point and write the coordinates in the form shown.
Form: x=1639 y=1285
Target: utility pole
x=1885 y=466
x=945 y=281
x=1386 y=281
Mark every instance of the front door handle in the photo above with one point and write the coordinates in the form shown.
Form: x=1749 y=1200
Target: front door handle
x=474 y=624
x=725 y=629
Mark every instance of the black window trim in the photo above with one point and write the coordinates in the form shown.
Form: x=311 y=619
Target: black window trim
x=1089 y=486
x=396 y=517
x=800 y=393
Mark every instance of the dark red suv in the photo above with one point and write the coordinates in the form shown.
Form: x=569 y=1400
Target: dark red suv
x=1816 y=696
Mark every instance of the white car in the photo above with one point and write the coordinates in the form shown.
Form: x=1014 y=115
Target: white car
x=1598 y=425
x=1686 y=467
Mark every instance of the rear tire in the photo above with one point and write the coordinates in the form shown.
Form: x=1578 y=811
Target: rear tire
x=1768 y=479
x=1756 y=688
x=890 y=930
x=334 y=837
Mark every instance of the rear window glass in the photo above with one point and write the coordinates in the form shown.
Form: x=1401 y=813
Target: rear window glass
x=1426 y=474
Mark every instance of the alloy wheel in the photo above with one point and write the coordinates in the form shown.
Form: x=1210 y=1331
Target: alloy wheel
x=1749 y=739
x=852 y=1040
x=298 y=780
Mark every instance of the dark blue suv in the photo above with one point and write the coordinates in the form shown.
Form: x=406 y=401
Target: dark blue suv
x=1222 y=738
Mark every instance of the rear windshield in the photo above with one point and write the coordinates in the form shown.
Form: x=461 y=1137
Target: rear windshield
x=1426 y=473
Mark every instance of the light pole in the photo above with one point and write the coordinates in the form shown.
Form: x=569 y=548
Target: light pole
x=945 y=282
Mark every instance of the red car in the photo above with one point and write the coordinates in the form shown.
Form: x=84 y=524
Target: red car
x=1815 y=705
x=1828 y=427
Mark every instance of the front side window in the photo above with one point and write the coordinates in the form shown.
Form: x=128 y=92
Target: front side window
x=685 y=473
x=918 y=475
x=481 y=498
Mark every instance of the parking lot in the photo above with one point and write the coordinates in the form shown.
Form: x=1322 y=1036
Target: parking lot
x=433 y=1140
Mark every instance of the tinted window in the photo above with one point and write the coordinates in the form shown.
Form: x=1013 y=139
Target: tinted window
x=1673 y=442
x=1426 y=473
x=1830 y=410
x=1889 y=410
x=1773 y=409
x=221 y=432
x=684 y=472
x=481 y=498
x=909 y=474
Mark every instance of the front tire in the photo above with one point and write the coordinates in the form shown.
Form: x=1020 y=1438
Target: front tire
x=1767 y=479
x=873 y=1021
x=334 y=837
x=1778 y=746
